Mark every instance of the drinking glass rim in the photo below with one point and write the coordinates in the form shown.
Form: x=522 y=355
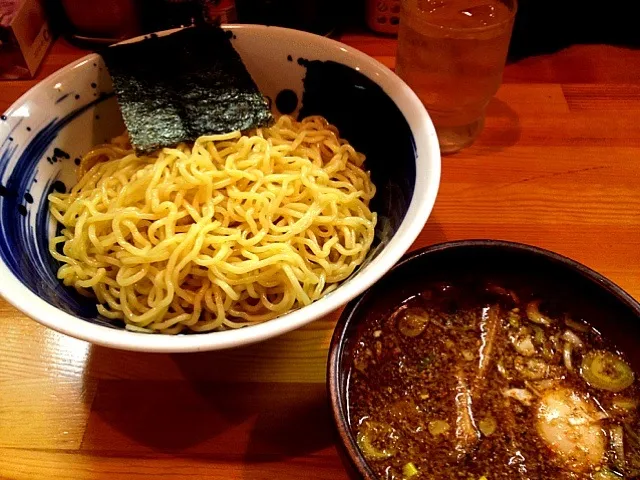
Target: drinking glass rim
x=512 y=14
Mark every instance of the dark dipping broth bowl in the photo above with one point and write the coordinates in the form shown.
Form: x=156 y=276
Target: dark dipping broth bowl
x=563 y=285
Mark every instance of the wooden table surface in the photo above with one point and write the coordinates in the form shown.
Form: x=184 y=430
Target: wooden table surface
x=558 y=166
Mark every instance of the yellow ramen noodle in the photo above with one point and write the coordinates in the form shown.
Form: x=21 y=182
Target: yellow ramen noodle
x=230 y=231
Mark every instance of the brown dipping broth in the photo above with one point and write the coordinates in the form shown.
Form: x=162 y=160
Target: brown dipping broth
x=460 y=377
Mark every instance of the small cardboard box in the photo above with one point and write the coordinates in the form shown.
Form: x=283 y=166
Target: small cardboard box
x=24 y=38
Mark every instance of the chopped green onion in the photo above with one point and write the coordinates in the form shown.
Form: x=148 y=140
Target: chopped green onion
x=624 y=403
x=539 y=337
x=502 y=370
x=578 y=326
x=522 y=342
x=606 y=371
x=534 y=315
x=360 y=363
x=409 y=470
x=514 y=319
x=531 y=368
x=632 y=436
x=567 y=352
x=606 y=474
x=520 y=394
x=487 y=425
x=379 y=433
x=438 y=427
x=616 y=436
x=572 y=338
x=425 y=362
x=550 y=349
x=412 y=322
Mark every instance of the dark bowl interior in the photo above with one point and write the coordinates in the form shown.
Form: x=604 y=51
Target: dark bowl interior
x=609 y=309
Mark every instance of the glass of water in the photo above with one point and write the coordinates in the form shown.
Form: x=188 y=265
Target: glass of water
x=452 y=54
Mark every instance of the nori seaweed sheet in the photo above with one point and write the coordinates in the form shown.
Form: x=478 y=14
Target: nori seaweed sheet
x=180 y=86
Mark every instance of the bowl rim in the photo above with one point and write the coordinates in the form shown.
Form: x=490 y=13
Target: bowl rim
x=338 y=340
x=428 y=169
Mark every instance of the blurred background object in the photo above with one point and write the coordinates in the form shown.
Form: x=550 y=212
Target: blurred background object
x=107 y=21
x=163 y=14
x=101 y=21
x=546 y=26
x=24 y=38
x=383 y=16
x=541 y=26
x=219 y=11
x=315 y=16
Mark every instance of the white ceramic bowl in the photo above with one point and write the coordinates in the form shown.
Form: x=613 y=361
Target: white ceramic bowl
x=63 y=116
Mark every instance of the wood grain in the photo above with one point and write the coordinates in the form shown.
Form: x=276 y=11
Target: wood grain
x=557 y=166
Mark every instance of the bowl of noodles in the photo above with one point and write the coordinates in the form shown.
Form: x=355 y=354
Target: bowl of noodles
x=225 y=240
